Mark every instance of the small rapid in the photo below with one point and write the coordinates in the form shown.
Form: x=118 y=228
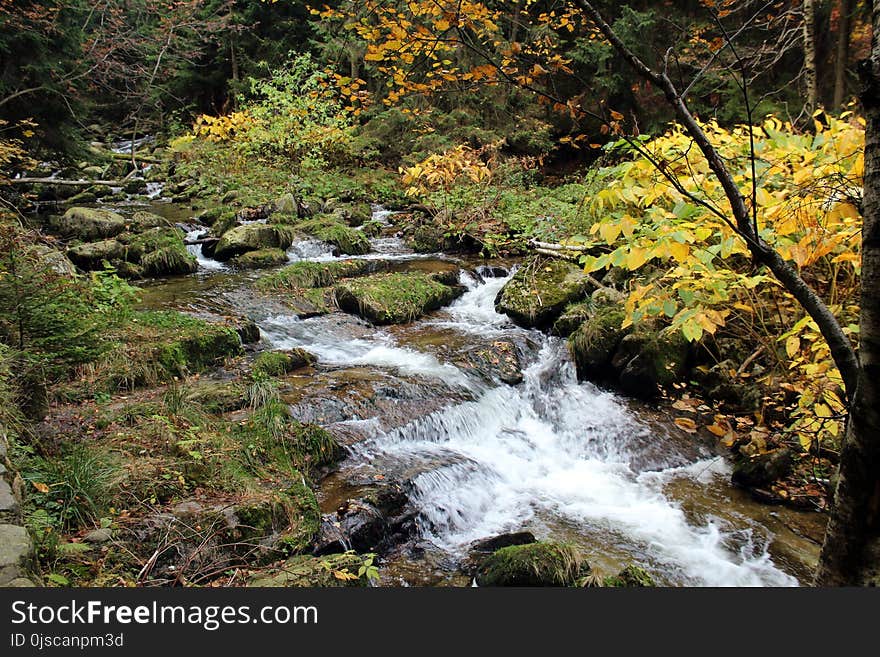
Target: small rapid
x=553 y=452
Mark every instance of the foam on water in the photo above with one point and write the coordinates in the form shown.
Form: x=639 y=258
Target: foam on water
x=205 y=263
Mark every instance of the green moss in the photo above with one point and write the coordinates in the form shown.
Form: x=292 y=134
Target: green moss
x=315 y=446
x=276 y=363
x=572 y=317
x=394 y=298
x=594 y=342
x=224 y=222
x=170 y=260
x=305 y=517
x=540 y=290
x=330 y=229
x=631 y=576
x=187 y=343
x=217 y=397
x=535 y=564
x=260 y=259
x=307 y=274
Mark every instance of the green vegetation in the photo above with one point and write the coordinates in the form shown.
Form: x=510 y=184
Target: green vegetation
x=317 y=274
x=534 y=564
x=393 y=298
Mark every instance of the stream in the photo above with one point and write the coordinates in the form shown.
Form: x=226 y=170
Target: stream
x=557 y=457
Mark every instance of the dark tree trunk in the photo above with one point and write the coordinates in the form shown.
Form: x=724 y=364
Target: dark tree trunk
x=851 y=553
x=841 y=56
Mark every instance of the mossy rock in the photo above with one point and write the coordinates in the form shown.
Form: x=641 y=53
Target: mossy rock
x=329 y=229
x=763 y=469
x=595 y=342
x=649 y=360
x=354 y=214
x=394 y=298
x=90 y=256
x=372 y=228
x=306 y=571
x=260 y=259
x=150 y=240
x=540 y=290
x=631 y=577
x=168 y=261
x=572 y=317
x=252 y=237
x=225 y=221
x=276 y=363
x=53 y=259
x=89 y=224
x=307 y=274
x=85 y=196
x=184 y=343
x=546 y=563
x=305 y=518
x=142 y=220
x=218 y=397
x=260 y=518
x=315 y=446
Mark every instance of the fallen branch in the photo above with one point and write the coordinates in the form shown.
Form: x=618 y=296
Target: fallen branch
x=549 y=246
x=61 y=181
x=142 y=158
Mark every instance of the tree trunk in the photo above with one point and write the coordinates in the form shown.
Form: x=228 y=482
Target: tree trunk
x=851 y=552
x=841 y=58
x=809 y=28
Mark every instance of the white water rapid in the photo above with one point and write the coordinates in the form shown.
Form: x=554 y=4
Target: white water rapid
x=549 y=454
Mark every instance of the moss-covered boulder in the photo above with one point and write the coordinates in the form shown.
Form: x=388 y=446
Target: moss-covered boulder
x=276 y=363
x=595 y=342
x=252 y=237
x=142 y=220
x=92 y=255
x=306 y=274
x=650 y=360
x=354 y=214
x=160 y=251
x=344 y=239
x=90 y=224
x=546 y=563
x=182 y=343
x=335 y=570
x=260 y=259
x=630 y=577
x=540 y=290
x=763 y=469
x=305 y=518
x=168 y=261
x=572 y=317
x=218 y=397
x=394 y=298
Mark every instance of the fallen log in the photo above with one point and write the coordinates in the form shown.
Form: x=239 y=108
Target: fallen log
x=61 y=181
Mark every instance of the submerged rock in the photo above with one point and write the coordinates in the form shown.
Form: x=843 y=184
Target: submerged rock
x=394 y=298
x=495 y=361
x=540 y=290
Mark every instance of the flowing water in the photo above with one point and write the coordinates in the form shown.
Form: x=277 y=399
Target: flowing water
x=558 y=457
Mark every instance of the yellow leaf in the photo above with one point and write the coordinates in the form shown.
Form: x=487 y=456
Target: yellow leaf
x=792 y=346
x=636 y=257
x=679 y=251
x=686 y=424
x=717 y=429
x=609 y=231
x=43 y=488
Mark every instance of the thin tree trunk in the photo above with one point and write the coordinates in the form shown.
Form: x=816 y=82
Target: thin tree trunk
x=841 y=58
x=762 y=253
x=851 y=552
x=809 y=28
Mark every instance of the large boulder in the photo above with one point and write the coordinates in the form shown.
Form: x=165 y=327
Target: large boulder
x=252 y=237
x=89 y=224
x=91 y=255
x=649 y=361
x=394 y=298
x=595 y=342
x=763 y=469
x=333 y=231
x=540 y=290
x=546 y=563
x=54 y=259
